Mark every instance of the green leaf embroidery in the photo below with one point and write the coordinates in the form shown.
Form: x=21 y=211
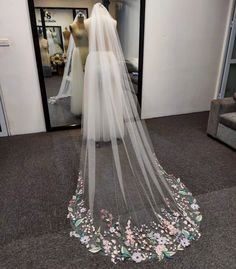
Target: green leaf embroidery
x=99 y=230
x=95 y=249
x=78 y=222
x=124 y=252
x=199 y=218
x=185 y=233
x=191 y=237
x=183 y=192
x=168 y=254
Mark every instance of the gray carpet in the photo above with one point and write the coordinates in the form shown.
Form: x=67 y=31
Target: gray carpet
x=39 y=174
x=59 y=113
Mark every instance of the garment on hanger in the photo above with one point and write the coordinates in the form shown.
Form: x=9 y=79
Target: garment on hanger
x=53 y=47
x=125 y=205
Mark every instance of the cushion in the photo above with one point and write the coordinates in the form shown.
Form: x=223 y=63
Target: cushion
x=131 y=67
x=229 y=120
x=234 y=96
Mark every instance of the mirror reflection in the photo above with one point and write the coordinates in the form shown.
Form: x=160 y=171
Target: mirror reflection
x=63 y=43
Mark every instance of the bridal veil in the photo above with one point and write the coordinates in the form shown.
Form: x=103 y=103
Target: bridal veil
x=125 y=206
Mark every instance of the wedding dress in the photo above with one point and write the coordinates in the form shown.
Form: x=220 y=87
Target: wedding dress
x=73 y=78
x=125 y=205
x=77 y=82
x=53 y=47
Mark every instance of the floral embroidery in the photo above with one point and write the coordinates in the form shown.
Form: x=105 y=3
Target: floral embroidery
x=184 y=242
x=195 y=206
x=160 y=249
x=162 y=239
x=137 y=257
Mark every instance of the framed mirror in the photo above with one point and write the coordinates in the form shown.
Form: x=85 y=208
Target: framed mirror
x=52 y=32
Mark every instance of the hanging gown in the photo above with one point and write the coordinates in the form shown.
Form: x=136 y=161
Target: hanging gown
x=125 y=205
x=77 y=82
x=43 y=44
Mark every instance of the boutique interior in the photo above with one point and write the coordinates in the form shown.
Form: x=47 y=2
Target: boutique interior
x=118 y=134
x=55 y=42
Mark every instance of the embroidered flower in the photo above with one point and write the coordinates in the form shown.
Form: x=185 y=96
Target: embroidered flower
x=195 y=206
x=84 y=240
x=127 y=243
x=112 y=229
x=137 y=244
x=137 y=257
x=159 y=249
x=154 y=236
x=162 y=240
x=128 y=232
x=184 y=242
x=83 y=209
x=106 y=246
x=72 y=233
x=172 y=230
x=130 y=238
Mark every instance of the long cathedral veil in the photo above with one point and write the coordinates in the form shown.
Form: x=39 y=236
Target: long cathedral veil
x=65 y=87
x=126 y=206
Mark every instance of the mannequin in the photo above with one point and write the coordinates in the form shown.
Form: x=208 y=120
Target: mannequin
x=66 y=35
x=43 y=44
x=79 y=34
x=78 y=60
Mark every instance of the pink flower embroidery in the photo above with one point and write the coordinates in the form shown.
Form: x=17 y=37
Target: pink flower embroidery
x=106 y=246
x=159 y=249
x=172 y=230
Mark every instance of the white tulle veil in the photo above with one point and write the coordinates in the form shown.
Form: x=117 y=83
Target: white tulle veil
x=125 y=204
x=65 y=87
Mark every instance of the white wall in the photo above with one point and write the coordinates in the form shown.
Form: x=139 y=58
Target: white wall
x=67 y=3
x=183 y=45
x=181 y=59
x=128 y=16
x=18 y=72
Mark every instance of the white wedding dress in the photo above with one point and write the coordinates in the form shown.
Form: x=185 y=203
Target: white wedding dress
x=77 y=82
x=125 y=205
x=73 y=78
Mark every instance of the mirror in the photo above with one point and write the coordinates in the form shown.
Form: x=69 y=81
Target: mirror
x=61 y=47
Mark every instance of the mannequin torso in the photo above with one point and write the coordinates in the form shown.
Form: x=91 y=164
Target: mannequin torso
x=43 y=43
x=66 y=35
x=79 y=34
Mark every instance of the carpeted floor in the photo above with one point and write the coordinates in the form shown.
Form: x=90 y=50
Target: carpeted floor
x=38 y=178
x=59 y=113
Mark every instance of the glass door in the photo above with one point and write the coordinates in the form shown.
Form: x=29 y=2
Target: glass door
x=228 y=84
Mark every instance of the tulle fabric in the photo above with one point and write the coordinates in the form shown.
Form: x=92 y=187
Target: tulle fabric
x=126 y=206
x=65 y=89
x=77 y=82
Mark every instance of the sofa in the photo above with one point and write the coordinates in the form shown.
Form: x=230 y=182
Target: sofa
x=222 y=120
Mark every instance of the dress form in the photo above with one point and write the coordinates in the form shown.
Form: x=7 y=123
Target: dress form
x=43 y=43
x=77 y=29
x=77 y=77
x=66 y=35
